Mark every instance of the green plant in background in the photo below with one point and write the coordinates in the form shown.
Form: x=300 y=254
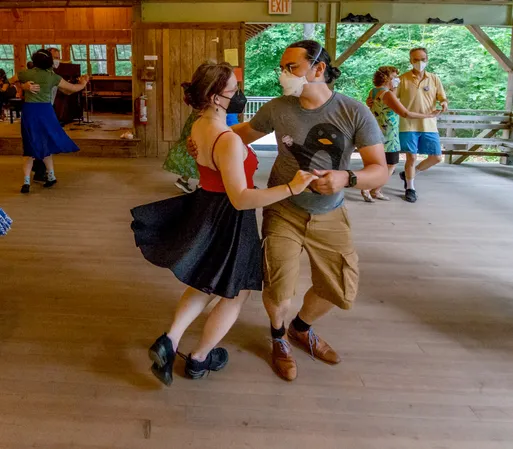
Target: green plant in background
x=472 y=78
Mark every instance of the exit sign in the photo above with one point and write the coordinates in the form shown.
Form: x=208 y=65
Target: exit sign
x=280 y=6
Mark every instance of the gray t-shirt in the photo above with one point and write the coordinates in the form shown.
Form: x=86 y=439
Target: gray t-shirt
x=321 y=139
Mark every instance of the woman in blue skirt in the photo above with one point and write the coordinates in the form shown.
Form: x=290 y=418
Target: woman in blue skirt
x=41 y=132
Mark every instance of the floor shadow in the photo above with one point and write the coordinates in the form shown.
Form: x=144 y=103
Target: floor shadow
x=114 y=362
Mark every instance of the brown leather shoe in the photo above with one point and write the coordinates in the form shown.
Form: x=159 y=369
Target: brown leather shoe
x=314 y=345
x=283 y=360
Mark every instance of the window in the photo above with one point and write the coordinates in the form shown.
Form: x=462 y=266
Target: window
x=57 y=46
x=79 y=56
x=98 y=59
x=7 y=59
x=124 y=60
x=31 y=49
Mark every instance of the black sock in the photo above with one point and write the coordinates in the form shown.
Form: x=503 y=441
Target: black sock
x=278 y=333
x=300 y=325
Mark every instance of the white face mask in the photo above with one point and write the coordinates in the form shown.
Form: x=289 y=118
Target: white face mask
x=292 y=84
x=395 y=82
x=420 y=66
x=56 y=63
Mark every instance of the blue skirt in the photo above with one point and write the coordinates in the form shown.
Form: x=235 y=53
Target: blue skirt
x=42 y=133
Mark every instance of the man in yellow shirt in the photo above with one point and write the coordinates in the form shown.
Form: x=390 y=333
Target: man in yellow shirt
x=419 y=91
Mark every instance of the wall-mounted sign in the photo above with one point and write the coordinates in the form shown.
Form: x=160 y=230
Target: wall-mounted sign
x=231 y=56
x=280 y=6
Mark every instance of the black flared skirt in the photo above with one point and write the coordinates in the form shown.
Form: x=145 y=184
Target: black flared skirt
x=206 y=242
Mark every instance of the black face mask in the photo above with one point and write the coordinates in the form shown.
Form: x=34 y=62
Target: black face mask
x=237 y=103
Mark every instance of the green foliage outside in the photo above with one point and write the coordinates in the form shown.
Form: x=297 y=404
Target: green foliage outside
x=471 y=76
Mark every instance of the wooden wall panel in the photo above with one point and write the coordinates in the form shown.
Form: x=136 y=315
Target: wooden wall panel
x=68 y=19
x=150 y=48
x=198 y=48
x=211 y=44
x=186 y=69
x=137 y=85
x=172 y=121
x=180 y=50
x=159 y=88
x=65 y=37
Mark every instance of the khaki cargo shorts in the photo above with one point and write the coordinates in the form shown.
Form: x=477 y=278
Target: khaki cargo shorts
x=326 y=238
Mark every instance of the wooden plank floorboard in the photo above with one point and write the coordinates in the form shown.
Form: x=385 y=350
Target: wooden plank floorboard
x=427 y=350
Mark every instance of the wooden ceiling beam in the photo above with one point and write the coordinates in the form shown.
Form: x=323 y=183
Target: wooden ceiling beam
x=18 y=4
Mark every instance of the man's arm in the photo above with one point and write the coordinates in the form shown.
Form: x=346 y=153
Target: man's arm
x=374 y=173
x=247 y=133
x=68 y=88
x=29 y=85
x=441 y=96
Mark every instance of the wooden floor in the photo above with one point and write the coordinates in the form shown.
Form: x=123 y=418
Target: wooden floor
x=101 y=137
x=427 y=351
x=102 y=126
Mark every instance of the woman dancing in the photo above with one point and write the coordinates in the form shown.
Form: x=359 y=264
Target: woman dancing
x=41 y=133
x=209 y=239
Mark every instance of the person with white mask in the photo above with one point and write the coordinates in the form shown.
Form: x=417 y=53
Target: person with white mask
x=317 y=130
x=419 y=91
x=387 y=109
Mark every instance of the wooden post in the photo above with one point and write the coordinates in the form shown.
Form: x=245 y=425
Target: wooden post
x=137 y=66
x=111 y=59
x=448 y=157
x=505 y=62
x=66 y=52
x=20 y=58
x=353 y=48
x=509 y=93
x=330 y=43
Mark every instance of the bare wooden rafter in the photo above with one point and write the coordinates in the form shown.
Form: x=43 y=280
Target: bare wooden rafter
x=353 y=48
x=485 y=40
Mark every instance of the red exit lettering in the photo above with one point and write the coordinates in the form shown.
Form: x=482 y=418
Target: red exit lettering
x=280 y=6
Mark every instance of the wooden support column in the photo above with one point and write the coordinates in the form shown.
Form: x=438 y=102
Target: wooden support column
x=507 y=134
x=330 y=34
x=111 y=59
x=448 y=157
x=20 y=58
x=353 y=48
x=137 y=66
x=66 y=52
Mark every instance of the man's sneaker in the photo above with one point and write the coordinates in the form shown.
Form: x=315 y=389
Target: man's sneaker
x=164 y=373
x=402 y=175
x=182 y=184
x=161 y=352
x=216 y=360
x=314 y=345
x=283 y=360
x=48 y=184
x=410 y=196
x=25 y=188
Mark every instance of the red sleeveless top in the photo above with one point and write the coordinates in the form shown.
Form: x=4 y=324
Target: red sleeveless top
x=211 y=180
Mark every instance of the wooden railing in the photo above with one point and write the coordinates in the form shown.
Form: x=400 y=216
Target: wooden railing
x=253 y=105
x=468 y=132
x=464 y=132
